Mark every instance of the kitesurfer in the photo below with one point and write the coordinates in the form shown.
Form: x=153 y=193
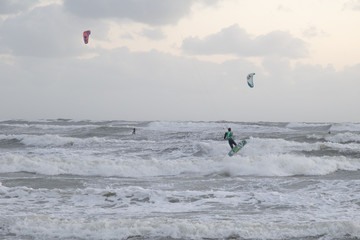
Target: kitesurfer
x=229 y=136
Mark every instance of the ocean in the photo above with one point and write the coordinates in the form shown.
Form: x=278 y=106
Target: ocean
x=70 y=179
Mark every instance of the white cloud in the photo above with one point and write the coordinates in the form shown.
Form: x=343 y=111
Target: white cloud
x=153 y=34
x=284 y=8
x=235 y=40
x=313 y=31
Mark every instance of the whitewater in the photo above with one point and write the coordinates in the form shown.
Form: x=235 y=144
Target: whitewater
x=71 y=179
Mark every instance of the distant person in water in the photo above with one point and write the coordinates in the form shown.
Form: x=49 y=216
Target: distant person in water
x=229 y=136
x=134 y=131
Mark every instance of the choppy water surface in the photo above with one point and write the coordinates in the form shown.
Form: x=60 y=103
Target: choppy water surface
x=66 y=179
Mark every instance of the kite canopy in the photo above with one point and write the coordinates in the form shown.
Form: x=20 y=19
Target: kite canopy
x=250 y=80
x=86 y=35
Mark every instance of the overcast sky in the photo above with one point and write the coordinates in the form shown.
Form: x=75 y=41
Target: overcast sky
x=180 y=60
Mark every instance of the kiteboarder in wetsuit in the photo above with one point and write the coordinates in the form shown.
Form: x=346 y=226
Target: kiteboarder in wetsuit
x=228 y=135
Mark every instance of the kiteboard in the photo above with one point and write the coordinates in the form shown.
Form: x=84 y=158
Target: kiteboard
x=237 y=148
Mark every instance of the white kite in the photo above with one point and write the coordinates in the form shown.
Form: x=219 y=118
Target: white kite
x=250 y=80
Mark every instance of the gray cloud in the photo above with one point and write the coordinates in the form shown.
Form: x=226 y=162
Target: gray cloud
x=156 y=12
x=235 y=40
x=43 y=32
x=15 y=6
x=116 y=85
x=51 y=31
x=119 y=84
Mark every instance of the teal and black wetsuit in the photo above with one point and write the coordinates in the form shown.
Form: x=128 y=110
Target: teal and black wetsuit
x=229 y=136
